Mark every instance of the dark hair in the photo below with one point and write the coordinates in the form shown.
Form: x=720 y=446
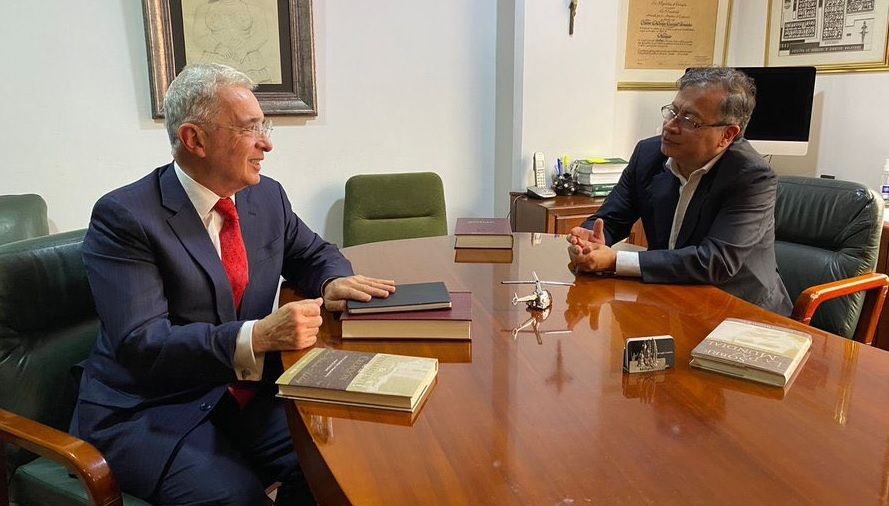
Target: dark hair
x=740 y=92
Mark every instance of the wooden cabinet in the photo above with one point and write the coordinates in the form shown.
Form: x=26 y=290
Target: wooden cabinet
x=559 y=215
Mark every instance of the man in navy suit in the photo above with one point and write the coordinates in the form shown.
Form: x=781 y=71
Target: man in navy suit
x=178 y=392
x=705 y=196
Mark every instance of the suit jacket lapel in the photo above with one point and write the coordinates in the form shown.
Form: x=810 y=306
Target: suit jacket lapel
x=191 y=232
x=664 y=197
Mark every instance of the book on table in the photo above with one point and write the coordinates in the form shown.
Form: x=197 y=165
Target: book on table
x=483 y=233
x=407 y=297
x=453 y=323
x=483 y=255
x=752 y=350
x=606 y=165
x=355 y=378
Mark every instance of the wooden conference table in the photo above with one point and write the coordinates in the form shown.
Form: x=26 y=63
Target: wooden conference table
x=511 y=421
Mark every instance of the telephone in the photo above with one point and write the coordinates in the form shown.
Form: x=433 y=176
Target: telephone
x=540 y=190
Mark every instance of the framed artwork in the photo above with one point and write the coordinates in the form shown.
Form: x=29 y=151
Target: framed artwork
x=832 y=35
x=659 y=39
x=269 y=40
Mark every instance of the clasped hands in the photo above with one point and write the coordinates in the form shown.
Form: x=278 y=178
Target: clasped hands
x=588 y=251
x=295 y=325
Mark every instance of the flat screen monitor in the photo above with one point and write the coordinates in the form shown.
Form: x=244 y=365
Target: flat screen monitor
x=783 y=114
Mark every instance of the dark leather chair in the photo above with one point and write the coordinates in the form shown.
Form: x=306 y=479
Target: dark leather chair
x=21 y=217
x=827 y=238
x=47 y=324
x=384 y=207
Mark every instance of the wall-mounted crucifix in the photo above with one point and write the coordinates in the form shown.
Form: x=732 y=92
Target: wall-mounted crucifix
x=572 y=7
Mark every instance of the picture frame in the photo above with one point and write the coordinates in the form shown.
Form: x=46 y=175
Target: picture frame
x=658 y=40
x=800 y=32
x=269 y=40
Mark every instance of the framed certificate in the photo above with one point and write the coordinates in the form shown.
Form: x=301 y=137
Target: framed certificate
x=659 y=39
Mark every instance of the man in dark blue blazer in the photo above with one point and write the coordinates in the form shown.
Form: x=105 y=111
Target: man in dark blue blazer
x=705 y=196
x=178 y=393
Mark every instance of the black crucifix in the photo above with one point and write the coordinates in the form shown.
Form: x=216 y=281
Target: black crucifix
x=573 y=8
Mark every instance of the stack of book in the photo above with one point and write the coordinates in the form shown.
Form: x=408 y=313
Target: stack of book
x=414 y=311
x=453 y=323
x=376 y=380
x=483 y=240
x=596 y=177
x=752 y=350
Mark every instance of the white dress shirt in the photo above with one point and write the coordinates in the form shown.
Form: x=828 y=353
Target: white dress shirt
x=627 y=262
x=247 y=365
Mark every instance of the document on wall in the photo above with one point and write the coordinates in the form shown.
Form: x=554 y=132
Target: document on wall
x=819 y=32
x=670 y=34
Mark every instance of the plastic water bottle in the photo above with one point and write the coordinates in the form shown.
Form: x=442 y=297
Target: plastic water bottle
x=884 y=183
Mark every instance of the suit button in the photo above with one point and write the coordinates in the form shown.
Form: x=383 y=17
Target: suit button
x=206 y=406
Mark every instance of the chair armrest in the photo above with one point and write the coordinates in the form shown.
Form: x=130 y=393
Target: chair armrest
x=76 y=455
x=876 y=286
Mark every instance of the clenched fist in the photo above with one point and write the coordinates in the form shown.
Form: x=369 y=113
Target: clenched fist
x=293 y=326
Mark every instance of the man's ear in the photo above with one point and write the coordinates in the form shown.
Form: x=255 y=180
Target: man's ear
x=193 y=139
x=728 y=135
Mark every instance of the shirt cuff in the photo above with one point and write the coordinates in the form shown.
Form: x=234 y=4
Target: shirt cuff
x=248 y=366
x=627 y=264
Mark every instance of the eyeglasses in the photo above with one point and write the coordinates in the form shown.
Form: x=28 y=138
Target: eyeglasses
x=670 y=114
x=257 y=130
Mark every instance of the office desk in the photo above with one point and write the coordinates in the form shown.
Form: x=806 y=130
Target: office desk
x=517 y=422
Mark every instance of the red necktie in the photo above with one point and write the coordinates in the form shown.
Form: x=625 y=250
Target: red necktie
x=234 y=261
x=234 y=255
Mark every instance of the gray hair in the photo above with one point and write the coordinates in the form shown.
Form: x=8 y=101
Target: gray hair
x=192 y=96
x=740 y=99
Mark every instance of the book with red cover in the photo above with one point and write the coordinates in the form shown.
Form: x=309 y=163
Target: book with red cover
x=451 y=323
x=483 y=233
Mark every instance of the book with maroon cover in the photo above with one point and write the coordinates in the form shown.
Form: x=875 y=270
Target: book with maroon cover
x=483 y=233
x=451 y=323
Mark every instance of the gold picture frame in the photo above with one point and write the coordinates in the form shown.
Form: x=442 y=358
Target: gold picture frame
x=269 y=40
x=659 y=40
x=799 y=32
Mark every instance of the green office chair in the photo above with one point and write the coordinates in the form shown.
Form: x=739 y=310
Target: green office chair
x=383 y=207
x=827 y=233
x=21 y=217
x=47 y=324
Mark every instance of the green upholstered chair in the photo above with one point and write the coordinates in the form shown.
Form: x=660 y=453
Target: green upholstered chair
x=383 y=207
x=21 y=217
x=827 y=233
x=47 y=324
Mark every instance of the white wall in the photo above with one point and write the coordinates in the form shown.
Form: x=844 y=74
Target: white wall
x=568 y=87
x=401 y=87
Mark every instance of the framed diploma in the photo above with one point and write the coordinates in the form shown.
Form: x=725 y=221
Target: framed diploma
x=832 y=35
x=661 y=38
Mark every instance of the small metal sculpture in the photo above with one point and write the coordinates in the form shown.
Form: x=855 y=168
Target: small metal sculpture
x=541 y=299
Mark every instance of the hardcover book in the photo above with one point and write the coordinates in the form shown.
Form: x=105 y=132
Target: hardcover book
x=408 y=297
x=377 y=380
x=752 y=350
x=483 y=233
x=483 y=255
x=454 y=323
